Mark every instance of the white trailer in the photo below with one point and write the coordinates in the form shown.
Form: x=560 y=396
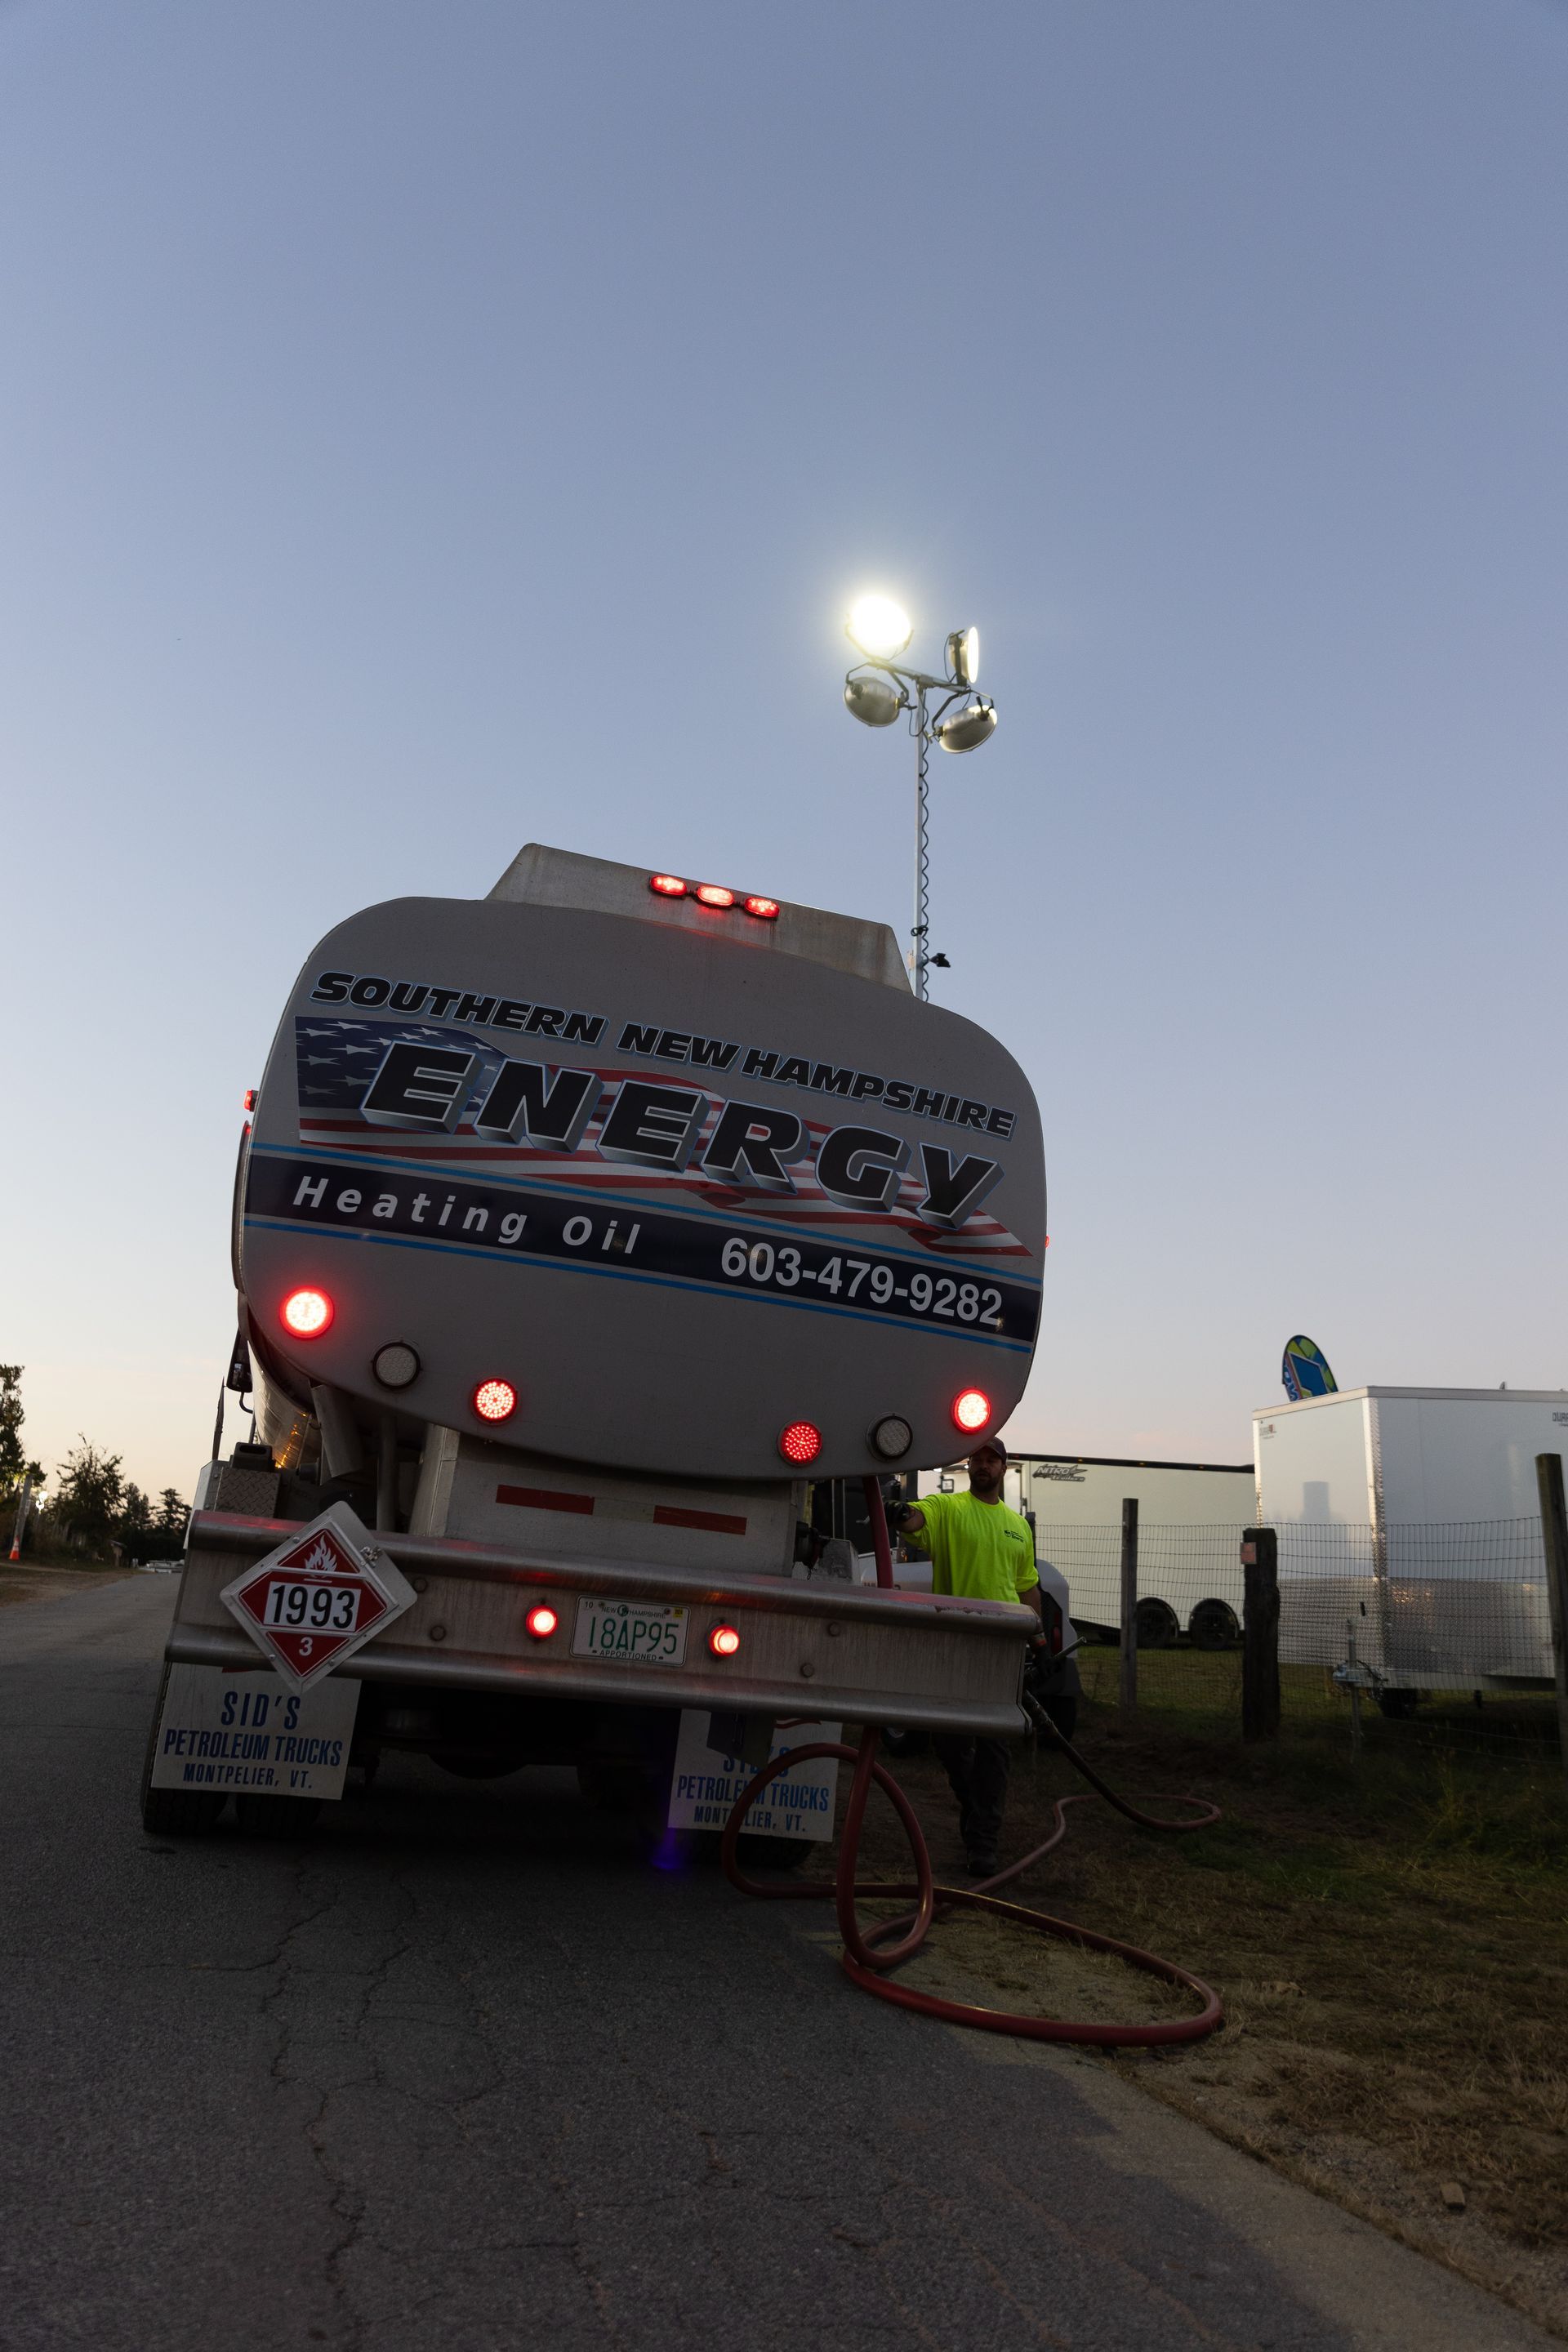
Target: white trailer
x=1413 y=1515
x=1191 y=1514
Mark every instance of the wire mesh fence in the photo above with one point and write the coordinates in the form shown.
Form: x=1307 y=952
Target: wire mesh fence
x=1443 y=1631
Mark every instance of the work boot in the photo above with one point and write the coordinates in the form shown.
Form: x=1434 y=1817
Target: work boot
x=983 y=1865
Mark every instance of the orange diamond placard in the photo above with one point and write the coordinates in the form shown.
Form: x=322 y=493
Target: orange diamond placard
x=310 y=1605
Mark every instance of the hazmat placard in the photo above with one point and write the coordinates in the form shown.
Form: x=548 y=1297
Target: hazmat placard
x=313 y=1601
x=706 y=1783
x=253 y=1733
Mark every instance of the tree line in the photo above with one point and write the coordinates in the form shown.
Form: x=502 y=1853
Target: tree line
x=92 y=1506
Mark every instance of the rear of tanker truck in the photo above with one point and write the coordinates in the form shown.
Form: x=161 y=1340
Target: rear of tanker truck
x=578 y=1230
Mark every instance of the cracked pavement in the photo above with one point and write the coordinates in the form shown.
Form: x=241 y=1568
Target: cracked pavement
x=463 y=2074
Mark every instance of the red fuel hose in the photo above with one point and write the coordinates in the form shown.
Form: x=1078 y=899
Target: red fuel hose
x=869 y=1956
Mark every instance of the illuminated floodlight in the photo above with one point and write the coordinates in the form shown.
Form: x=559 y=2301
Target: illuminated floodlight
x=880 y=627
x=963 y=657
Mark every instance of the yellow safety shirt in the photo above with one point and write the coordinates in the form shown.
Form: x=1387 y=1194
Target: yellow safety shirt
x=983 y=1551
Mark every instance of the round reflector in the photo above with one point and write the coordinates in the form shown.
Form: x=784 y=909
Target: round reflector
x=723 y=1641
x=495 y=1400
x=542 y=1622
x=713 y=894
x=307 y=1313
x=801 y=1442
x=668 y=885
x=892 y=1437
x=766 y=907
x=971 y=1411
x=395 y=1365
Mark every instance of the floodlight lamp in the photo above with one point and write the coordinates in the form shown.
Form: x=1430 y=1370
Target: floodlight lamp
x=963 y=657
x=880 y=627
x=872 y=700
x=969 y=728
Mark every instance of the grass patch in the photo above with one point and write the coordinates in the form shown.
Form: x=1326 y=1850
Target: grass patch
x=1390 y=1940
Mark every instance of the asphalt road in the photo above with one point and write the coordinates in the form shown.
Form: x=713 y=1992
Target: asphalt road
x=464 y=2072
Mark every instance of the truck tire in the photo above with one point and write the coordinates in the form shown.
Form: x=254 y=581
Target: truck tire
x=175 y=1813
x=1213 y=1626
x=475 y=1766
x=276 y=1817
x=1155 y=1626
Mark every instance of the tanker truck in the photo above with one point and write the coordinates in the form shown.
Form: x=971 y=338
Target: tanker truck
x=579 y=1230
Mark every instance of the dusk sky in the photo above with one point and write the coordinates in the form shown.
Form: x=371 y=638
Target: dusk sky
x=430 y=428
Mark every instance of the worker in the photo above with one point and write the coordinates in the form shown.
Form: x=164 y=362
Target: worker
x=982 y=1550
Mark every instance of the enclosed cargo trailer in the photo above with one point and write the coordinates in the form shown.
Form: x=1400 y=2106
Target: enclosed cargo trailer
x=1413 y=1515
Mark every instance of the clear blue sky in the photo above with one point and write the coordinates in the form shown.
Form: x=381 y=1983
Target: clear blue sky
x=431 y=427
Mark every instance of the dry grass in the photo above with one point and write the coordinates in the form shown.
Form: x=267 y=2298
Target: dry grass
x=1391 y=1945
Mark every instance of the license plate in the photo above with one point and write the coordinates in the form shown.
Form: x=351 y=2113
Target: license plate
x=636 y=1633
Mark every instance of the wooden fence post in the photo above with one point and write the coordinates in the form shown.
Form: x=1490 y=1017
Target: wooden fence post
x=1261 y=1635
x=1129 y=1690
x=1554 y=1541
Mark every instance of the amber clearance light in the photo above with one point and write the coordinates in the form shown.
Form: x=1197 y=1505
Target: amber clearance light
x=306 y=1313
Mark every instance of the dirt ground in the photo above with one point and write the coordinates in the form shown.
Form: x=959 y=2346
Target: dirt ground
x=1391 y=1945
x=33 y=1580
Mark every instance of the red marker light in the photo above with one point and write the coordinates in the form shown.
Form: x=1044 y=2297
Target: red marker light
x=495 y=1400
x=971 y=1411
x=668 y=885
x=307 y=1313
x=801 y=1442
x=713 y=894
x=767 y=907
x=723 y=1641
x=248 y=1099
x=542 y=1622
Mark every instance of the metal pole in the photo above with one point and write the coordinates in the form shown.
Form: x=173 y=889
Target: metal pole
x=1355 y=1687
x=387 y=1475
x=1128 y=1691
x=1554 y=1540
x=920 y=958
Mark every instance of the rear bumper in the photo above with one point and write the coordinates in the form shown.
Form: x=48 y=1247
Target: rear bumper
x=846 y=1653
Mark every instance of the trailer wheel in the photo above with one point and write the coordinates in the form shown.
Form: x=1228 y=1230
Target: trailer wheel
x=1213 y=1626
x=175 y=1813
x=1155 y=1626
x=276 y=1817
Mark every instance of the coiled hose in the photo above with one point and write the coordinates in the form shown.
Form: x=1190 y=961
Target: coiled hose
x=869 y=1956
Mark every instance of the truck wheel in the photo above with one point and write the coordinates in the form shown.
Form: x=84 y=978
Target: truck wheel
x=1155 y=1626
x=276 y=1817
x=175 y=1813
x=609 y=1787
x=1213 y=1626
x=475 y=1767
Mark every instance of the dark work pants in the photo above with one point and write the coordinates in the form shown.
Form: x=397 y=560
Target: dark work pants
x=977 y=1770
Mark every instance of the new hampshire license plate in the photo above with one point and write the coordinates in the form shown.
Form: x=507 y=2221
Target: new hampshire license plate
x=641 y=1633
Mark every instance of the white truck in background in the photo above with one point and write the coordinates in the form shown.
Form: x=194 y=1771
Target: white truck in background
x=1191 y=1514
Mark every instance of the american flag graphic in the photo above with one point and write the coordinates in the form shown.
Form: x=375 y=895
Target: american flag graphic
x=338 y=1059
